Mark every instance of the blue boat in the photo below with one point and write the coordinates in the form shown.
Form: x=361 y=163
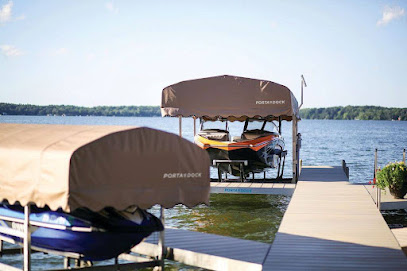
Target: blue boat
x=82 y=232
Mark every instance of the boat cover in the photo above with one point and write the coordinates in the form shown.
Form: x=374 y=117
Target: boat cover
x=232 y=97
x=71 y=166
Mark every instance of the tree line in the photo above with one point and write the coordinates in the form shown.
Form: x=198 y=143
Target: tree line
x=355 y=113
x=337 y=113
x=71 y=110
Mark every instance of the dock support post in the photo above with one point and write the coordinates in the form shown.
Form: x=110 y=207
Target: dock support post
x=378 y=190
x=404 y=156
x=27 y=238
x=180 y=125
x=295 y=151
x=345 y=168
x=161 y=243
x=219 y=173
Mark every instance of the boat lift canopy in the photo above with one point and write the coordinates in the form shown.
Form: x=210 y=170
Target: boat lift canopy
x=71 y=166
x=231 y=97
x=236 y=99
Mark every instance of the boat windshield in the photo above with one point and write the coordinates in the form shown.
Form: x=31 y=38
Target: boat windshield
x=254 y=125
x=261 y=125
x=215 y=125
x=271 y=127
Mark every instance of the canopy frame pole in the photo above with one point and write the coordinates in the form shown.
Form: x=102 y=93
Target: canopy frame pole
x=295 y=153
x=161 y=241
x=27 y=238
x=180 y=125
x=194 y=125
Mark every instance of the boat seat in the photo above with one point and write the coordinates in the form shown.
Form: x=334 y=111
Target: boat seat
x=219 y=136
x=250 y=135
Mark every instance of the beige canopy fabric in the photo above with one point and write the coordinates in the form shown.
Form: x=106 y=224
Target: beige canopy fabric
x=69 y=166
x=232 y=97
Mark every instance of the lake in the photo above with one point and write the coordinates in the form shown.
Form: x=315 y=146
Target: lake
x=257 y=217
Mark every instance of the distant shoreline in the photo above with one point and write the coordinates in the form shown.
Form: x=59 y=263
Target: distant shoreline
x=333 y=113
x=355 y=113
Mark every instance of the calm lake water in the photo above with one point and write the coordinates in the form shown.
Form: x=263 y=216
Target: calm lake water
x=325 y=142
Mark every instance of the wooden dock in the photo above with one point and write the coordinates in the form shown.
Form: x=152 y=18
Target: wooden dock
x=331 y=224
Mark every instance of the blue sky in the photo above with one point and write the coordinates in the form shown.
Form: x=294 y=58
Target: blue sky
x=125 y=52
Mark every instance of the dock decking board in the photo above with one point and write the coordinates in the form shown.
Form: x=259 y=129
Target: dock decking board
x=401 y=236
x=212 y=251
x=331 y=224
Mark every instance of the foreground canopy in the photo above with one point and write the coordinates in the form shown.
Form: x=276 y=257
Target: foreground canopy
x=65 y=166
x=232 y=97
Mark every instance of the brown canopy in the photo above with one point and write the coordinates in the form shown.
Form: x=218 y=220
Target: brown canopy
x=66 y=166
x=232 y=97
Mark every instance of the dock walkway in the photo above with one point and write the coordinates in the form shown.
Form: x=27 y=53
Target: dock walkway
x=331 y=224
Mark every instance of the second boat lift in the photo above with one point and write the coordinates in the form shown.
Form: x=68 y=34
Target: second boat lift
x=236 y=98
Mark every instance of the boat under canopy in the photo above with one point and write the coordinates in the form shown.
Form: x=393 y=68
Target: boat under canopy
x=88 y=185
x=232 y=98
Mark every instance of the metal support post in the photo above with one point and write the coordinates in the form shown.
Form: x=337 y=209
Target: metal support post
x=194 y=125
x=219 y=173
x=161 y=241
x=180 y=125
x=345 y=168
x=294 y=153
x=27 y=238
x=378 y=190
x=404 y=156
x=279 y=125
x=67 y=262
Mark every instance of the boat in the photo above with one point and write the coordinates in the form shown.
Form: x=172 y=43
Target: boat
x=260 y=104
x=82 y=232
x=260 y=145
x=84 y=189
